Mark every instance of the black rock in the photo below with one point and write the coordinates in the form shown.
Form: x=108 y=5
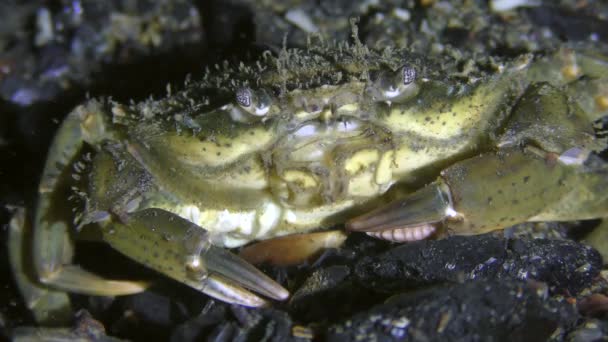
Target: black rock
x=566 y=266
x=329 y=294
x=507 y=310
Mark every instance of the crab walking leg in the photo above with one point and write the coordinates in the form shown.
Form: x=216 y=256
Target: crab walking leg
x=52 y=249
x=496 y=190
x=47 y=305
x=181 y=250
x=292 y=249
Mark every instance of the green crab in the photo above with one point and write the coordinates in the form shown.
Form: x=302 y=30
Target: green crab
x=310 y=139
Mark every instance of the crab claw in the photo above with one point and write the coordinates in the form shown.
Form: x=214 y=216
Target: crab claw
x=181 y=250
x=412 y=218
x=493 y=191
x=223 y=265
x=428 y=205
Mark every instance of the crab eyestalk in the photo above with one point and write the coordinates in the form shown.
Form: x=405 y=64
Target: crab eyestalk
x=395 y=86
x=250 y=104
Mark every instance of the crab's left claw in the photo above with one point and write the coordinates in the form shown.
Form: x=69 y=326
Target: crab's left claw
x=408 y=219
x=227 y=271
x=181 y=250
x=493 y=191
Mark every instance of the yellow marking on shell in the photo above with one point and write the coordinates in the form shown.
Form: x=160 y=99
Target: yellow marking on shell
x=384 y=171
x=301 y=178
x=571 y=71
x=363 y=184
x=408 y=159
x=251 y=174
x=220 y=151
x=601 y=101
x=361 y=160
x=302 y=115
x=351 y=107
x=301 y=220
x=326 y=115
x=441 y=122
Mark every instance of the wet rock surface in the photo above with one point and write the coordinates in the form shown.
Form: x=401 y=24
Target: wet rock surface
x=56 y=47
x=472 y=311
x=562 y=267
x=590 y=330
x=85 y=328
x=566 y=266
x=460 y=288
x=236 y=323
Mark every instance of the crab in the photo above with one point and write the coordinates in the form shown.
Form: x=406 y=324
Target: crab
x=310 y=139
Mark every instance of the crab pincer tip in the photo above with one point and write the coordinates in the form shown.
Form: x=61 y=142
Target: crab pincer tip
x=235 y=269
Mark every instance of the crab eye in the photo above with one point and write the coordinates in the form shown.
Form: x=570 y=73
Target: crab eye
x=408 y=74
x=394 y=86
x=243 y=97
x=254 y=102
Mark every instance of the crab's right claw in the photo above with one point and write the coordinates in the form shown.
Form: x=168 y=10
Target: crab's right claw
x=181 y=250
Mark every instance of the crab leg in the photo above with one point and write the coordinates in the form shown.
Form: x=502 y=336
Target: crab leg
x=49 y=238
x=496 y=190
x=52 y=248
x=47 y=305
x=178 y=248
